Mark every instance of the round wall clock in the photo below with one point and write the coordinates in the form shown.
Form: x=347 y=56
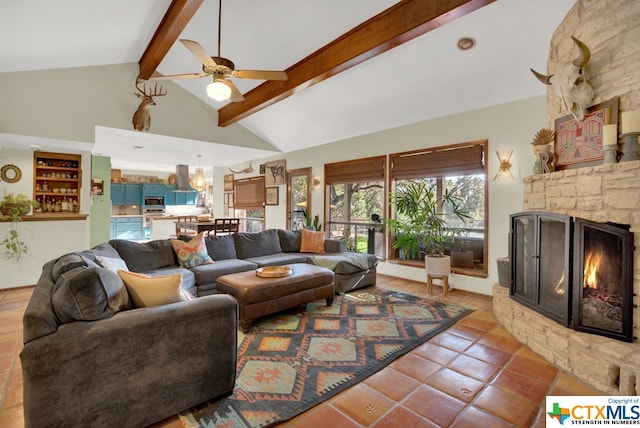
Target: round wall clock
x=10 y=173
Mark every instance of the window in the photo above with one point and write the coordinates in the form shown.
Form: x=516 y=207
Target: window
x=355 y=203
x=249 y=204
x=460 y=166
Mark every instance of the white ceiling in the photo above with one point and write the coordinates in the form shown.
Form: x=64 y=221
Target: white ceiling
x=425 y=78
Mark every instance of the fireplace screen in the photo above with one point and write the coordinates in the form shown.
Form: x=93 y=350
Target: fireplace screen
x=603 y=285
x=574 y=271
x=541 y=263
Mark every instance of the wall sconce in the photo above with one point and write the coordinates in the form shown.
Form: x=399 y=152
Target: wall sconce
x=316 y=182
x=504 y=173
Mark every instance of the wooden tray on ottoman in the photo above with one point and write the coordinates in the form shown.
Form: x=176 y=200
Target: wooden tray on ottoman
x=274 y=271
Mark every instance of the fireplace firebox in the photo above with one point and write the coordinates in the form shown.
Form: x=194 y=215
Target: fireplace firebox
x=603 y=286
x=574 y=271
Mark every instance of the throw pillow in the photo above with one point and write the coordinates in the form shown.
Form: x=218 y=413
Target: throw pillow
x=192 y=253
x=111 y=263
x=145 y=256
x=146 y=290
x=311 y=242
x=88 y=294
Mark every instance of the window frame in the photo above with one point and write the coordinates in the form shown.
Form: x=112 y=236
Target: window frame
x=469 y=166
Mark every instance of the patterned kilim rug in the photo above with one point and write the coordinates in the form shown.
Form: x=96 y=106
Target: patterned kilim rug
x=291 y=361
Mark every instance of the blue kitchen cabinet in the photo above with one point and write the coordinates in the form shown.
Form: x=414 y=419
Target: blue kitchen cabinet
x=154 y=189
x=170 y=195
x=129 y=228
x=126 y=194
x=179 y=198
x=133 y=194
x=186 y=198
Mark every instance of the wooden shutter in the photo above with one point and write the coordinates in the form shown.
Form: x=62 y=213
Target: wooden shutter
x=249 y=193
x=461 y=159
x=367 y=169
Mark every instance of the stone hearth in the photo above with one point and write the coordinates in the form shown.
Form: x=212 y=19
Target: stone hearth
x=604 y=193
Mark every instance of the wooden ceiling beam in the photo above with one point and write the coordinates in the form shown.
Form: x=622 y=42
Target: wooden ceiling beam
x=175 y=20
x=398 y=24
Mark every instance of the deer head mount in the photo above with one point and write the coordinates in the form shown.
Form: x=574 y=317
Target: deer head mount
x=142 y=118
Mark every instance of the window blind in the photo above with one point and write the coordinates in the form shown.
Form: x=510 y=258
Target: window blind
x=463 y=159
x=366 y=169
x=249 y=193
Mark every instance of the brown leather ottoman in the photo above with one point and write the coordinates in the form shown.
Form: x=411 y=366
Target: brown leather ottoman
x=259 y=296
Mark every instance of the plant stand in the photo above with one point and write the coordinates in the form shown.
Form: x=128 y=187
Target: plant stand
x=445 y=283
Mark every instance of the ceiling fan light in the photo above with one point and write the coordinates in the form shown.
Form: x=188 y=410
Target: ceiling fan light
x=218 y=90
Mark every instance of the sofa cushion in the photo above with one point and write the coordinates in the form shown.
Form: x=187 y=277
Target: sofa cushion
x=89 y=294
x=311 y=242
x=207 y=274
x=66 y=263
x=141 y=257
x=344 y=267
x=104 y=249
x=188 y=277
x=278 y=259
x=221 y=247
x=289 y=240
x=192 y=253
x=111 y=263
x=257 y=244
x=148 y=290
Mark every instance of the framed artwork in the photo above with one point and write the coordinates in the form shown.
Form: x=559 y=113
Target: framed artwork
x=97 y=186
x=275 y=172
x=228 y=183
x=579 y=144
x=271 y=196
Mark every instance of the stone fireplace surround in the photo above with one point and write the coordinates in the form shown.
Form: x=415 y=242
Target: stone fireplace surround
x=603 y=193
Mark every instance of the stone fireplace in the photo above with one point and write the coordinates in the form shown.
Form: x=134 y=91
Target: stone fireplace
x=600 y=194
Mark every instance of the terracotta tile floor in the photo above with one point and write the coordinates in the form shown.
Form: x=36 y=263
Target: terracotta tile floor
x=474 y=374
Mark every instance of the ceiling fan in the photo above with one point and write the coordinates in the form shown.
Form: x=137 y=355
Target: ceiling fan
x=220 y=68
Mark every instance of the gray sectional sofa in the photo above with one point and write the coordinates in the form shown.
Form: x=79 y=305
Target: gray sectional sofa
x=91 y=359
x=247 y=251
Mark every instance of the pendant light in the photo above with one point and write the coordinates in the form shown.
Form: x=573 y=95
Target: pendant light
x=199 y=181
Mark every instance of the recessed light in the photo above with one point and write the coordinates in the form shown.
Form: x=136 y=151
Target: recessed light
x=466 y=43
x=35 y=146
x=138 y=147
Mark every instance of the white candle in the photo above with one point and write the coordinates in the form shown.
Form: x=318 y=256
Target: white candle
x=630 y=121
x=610 y=135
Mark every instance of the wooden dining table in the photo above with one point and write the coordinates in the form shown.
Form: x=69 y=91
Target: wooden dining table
x=218 y=226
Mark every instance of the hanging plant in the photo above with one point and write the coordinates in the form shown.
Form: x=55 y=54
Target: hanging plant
x=14 y=207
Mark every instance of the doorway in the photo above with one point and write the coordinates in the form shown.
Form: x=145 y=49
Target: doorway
x=298 y=197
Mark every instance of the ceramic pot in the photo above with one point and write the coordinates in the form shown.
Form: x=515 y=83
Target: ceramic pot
x=437 y=266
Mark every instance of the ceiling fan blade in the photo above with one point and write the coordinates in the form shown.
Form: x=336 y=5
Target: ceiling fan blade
x=260 y=74
x=235 y=93
x=199 y=52
x=177 y=76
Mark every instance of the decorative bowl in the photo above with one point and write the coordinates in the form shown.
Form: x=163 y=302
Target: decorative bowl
x=56 y=190
x=274 y=271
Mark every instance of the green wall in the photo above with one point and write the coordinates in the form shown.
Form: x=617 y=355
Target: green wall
x=100 y=212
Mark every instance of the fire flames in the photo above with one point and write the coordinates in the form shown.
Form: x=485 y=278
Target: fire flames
x=592 y=263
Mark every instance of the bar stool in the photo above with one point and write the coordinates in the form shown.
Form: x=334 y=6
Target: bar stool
x=445 y=283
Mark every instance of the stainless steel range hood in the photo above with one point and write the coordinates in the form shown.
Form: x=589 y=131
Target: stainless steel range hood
x=182 y=178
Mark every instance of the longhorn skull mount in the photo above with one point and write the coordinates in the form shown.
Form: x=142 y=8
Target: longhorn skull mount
x=570 y=82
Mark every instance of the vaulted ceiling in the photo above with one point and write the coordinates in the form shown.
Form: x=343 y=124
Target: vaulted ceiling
x=368 y=79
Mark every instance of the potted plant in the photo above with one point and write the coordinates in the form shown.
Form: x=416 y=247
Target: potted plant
x=14 y=207
x=421 y=226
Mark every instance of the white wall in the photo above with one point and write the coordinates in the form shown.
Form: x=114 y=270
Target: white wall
x=508 y=126
x=45 y=240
